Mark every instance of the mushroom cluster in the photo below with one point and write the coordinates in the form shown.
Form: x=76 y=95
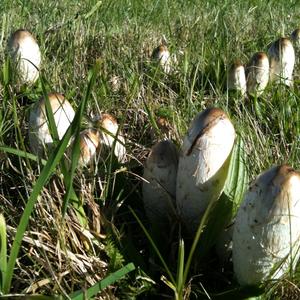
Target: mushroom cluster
x=201 y=174
x=276 y=66
x=181 y=184
x=265 y=237
x=26 y=56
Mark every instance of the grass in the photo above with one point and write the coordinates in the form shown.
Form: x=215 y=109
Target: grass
x=58 y=256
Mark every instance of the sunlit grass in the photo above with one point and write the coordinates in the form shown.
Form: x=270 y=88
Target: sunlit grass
x=205 y=36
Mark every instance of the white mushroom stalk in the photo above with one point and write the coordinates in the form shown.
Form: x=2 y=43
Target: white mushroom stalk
x=112 y=136
x=39 y=132
x=162 y=55
x=159 y=187
x=266 y=236
x=203 y=164
x=26 y=55
x=236 y=79
x=257 y=74
x=282 y=60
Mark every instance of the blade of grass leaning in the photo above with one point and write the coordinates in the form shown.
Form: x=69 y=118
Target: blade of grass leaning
x=3 y=251
x=237 y=178
x=55 y=137
x=154 y=247
x=99 y=286
x=229 y=200
x=46 y=172
x=6 y=74
x=93 y=10
x=206 y=216
x=49 y=113
x=199 y=231
x=68 y=175
x=151 y=118
x=76 y=124
x=24 y=154
x=30 y=297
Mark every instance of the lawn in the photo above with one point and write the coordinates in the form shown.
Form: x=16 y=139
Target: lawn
x=87 y=227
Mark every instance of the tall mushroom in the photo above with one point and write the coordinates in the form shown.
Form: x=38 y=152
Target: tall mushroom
x=26 y=55
x=266 y=235
x=39 y=131
x=236 y=79
x=162 y=55
x=111 y=135
x=159 y=187
x=203 y=164
x=257 y=73
x=282 y=59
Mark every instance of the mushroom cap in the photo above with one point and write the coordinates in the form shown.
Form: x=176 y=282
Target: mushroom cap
x=266 y=235
x=39 y=133
x=257 y=73
x=159 y=189
x=282 y=60
x=203 y=164
x=26 y=55
x=236 y=79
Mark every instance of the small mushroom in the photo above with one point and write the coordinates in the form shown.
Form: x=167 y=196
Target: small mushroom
x=112 y=136
x=282 y=59
x=159 y=187
x=257 y=74
x=39 y=133
x=26 y=55
x=266 y=235
x=236 y=79
x=162 y=55
x=90 y=142
x=203 y=164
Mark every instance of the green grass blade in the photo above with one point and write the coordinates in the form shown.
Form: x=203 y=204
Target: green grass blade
x=24 y=154
x=196 y=240
x=237 y=178
x=154 y=247
x=93 y=10
x=3 y=251
x=96 y=288
x=180 y=267
x=229 y=201
x=76 y=129
x=49 y=113
x=6 y=72
x=52 y=162
x=151 y=118
x=30 y=297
